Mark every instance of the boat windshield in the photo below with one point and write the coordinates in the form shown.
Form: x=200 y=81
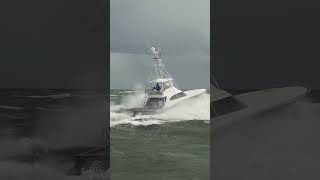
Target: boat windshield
x=155 y=103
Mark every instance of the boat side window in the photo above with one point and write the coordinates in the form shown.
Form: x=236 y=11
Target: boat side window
x=178 y=95
x=225 y=106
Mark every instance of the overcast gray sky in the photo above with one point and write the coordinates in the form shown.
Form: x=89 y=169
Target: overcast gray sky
x=180 y=27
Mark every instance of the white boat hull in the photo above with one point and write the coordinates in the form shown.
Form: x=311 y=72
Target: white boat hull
x=259 y=102
x=190 y=94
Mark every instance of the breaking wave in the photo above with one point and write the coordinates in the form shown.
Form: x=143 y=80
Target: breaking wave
x=54 y=96
x=197 y=108
x=10 y=168
x=11 y=107
x=21 y=171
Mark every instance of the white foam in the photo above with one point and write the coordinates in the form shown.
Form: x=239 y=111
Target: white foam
x=197 y=108
x=54 y=96
x=41 y=171
x=11 y=107
x=12 y=169
x=133 y=100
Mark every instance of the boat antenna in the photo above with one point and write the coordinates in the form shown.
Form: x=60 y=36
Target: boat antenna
x=214 y=81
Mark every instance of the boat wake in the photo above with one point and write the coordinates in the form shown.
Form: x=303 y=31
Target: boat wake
x=197 y=108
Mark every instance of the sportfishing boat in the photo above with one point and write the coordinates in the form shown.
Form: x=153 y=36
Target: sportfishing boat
x=161 y=91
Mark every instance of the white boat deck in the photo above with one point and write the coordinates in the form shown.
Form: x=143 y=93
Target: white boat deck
x=261 y=101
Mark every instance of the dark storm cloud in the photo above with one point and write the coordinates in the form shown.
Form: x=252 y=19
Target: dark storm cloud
x=264 y=44
x=180 y=27
x=52 y=44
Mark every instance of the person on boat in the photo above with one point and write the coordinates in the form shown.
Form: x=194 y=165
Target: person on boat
x=153 y=88
x=158 y=87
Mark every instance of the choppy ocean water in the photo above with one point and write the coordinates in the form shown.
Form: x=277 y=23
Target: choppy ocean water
x=172 y=145
x=278 y=144
x=41 y=131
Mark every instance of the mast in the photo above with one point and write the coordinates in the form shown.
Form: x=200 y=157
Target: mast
x=158 y=69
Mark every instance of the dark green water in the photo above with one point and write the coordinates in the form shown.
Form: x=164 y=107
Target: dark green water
x=42 y=131
x=160 y=151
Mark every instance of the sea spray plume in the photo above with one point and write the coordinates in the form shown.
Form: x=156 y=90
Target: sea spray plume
x=197 y=108
x=84 y=125
x=134 y=99
x=119 y=118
